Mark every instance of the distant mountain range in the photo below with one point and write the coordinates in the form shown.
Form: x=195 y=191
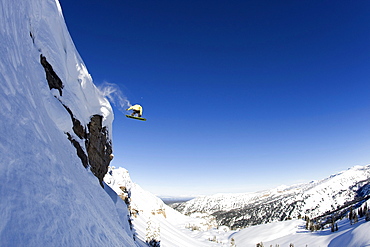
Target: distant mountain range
x=315 y=199
x=175 y=200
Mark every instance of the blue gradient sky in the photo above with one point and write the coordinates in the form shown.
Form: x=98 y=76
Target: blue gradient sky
x=239 y=95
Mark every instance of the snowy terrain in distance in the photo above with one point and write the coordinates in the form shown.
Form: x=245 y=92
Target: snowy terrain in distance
x=49 y=199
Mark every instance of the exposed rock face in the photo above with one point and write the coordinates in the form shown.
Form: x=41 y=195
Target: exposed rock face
x=92 y=142
x=78 y=129
x=80 y=152
x=52 y=78
x=99 y=147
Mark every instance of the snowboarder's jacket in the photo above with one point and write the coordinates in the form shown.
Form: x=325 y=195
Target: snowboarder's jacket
x=136 y=108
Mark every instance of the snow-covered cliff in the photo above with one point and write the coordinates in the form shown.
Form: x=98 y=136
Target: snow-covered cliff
x=55 y=136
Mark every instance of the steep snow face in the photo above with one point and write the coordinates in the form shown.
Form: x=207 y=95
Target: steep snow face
x=311 y=199
x=47 y=197
x=151 y=218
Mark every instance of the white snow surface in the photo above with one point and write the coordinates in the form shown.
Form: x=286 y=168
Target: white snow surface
x=293 y=232
x=172 y=226
x=173 y=231
x=47 y=197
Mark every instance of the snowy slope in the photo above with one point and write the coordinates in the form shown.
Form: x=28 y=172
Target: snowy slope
x=152 y=218
x=47 y=197
x=311 y=199
x=151 y=215
x=293 y=232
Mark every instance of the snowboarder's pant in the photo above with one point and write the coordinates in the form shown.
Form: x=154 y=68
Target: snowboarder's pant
x=135 y=112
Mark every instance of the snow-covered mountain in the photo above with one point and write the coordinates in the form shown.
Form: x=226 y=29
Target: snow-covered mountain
x=56 y=148
x=55 y=143
x=152 y=219
x=284 y=202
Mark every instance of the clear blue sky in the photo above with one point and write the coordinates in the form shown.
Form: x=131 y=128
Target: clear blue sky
x=239 y=95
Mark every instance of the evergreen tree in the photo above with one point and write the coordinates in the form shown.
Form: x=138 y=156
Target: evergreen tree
x=307 y=222
x=311 y=226
x=355 y=218
x=367 y=215
x=360 y=212
x=332 y=226
x=350 y=215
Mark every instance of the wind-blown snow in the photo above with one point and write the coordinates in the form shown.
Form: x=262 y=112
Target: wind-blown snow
x=47 y=197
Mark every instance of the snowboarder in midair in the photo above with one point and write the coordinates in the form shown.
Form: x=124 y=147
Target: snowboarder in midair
x=136 y=109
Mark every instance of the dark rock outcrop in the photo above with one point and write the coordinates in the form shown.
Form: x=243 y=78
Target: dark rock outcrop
x=77 y=127
x=97 y=152
x=99 y=147
x=52 y=78
x=80 y=152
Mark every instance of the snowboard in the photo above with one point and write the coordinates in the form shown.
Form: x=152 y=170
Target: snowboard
x=138 y=118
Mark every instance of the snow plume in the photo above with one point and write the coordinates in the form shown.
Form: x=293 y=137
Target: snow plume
x=115 y=96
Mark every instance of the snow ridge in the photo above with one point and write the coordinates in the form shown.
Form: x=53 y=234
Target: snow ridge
x=47 y=197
